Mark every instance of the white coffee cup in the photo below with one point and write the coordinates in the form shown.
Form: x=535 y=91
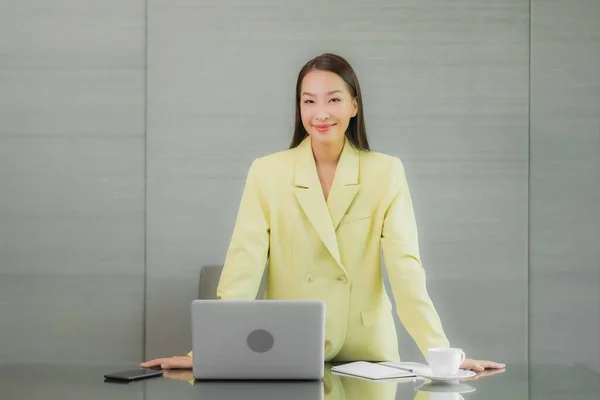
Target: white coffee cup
x=445 y=361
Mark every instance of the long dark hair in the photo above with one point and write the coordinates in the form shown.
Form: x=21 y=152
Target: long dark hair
x=356 y=132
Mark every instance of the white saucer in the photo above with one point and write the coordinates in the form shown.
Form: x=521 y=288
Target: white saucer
x=461 y=375
x=439 y=387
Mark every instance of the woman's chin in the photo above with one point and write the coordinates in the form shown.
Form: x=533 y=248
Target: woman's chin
x=326 y=138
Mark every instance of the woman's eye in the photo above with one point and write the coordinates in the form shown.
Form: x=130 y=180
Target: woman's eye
x=335 y=99
x=308 y=101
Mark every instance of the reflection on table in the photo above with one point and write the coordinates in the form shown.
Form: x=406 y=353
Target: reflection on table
x=85 y=381
x=333 y=387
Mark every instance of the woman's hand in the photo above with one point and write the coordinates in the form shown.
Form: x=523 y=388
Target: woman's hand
x=480 y=365
x=181 y=362
x=487 y=372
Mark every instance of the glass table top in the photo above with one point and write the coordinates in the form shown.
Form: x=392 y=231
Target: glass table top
x=78 y=381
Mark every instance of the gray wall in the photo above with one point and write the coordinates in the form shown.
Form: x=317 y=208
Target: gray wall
x=565 y=182
x=128 y=127
x=72 y=180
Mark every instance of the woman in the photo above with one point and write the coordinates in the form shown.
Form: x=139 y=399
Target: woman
x=320 y=212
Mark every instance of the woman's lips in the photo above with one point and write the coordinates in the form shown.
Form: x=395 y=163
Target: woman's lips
x=323 y=128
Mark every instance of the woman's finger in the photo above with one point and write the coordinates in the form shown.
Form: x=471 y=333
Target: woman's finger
x=153 y=363
x=177 y=362
x=477 y=367
x=492 y=364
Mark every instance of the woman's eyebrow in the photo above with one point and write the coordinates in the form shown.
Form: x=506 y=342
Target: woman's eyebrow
x=328 y=93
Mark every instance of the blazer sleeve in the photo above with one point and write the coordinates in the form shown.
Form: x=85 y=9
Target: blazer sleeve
x=399 y=241
x=247 y=254
x=248 y=249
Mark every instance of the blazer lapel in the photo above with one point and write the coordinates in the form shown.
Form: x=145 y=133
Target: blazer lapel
x=309 y=194
x=345 y=184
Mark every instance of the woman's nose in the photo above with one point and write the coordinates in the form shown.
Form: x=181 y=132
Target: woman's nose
x=321 y=114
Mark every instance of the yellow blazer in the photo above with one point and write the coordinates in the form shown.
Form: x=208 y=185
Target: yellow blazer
x=331 y=250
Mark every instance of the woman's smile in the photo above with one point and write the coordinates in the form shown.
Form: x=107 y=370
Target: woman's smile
x=323 y=128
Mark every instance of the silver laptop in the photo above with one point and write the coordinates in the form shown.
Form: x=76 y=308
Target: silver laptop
x=258 y=339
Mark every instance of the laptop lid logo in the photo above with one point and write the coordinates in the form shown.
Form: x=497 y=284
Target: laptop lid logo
x=260 y=341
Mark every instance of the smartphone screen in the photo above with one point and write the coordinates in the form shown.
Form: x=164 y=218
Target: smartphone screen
x=134 y=374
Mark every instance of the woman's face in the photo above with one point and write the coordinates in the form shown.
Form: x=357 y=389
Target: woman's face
x=326 y=106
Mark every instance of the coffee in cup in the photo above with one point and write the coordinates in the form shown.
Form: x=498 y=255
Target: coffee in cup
x=445 y=361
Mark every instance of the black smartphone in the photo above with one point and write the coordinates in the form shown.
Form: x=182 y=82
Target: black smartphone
x=134 y=375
